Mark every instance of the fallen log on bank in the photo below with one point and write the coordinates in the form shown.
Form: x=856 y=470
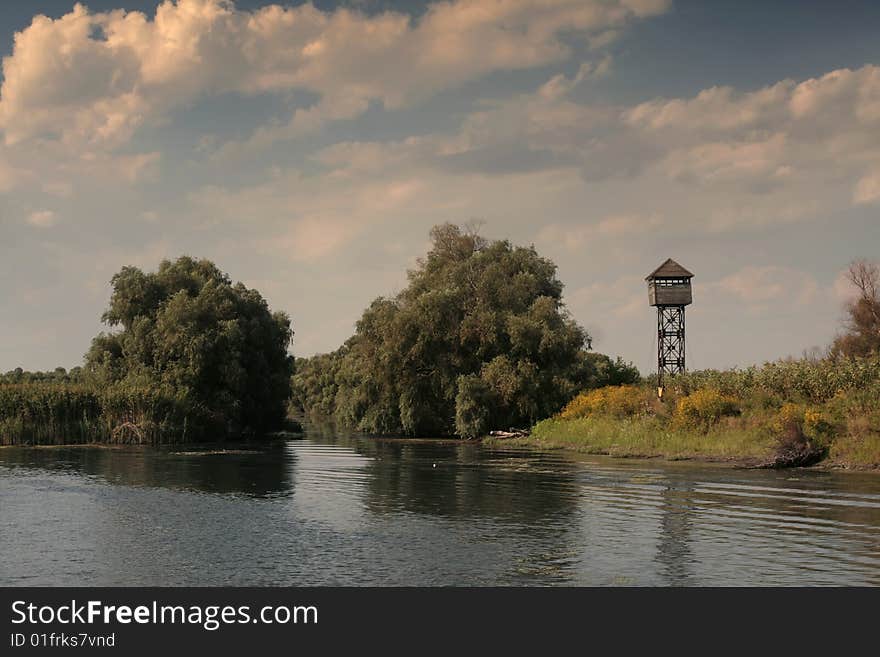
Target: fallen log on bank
x=795 y=457
x=511 y=433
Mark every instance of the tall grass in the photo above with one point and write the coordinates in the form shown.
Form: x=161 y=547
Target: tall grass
x=649 y=437
x=47 y=414
x=830 y=407
x=793 y=380
x=61 y=414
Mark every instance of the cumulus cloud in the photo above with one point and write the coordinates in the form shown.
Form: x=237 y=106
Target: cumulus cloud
x=579 y=236
x=758 y=286
x=604 y=189
x=868 y=189
x=10 y=176
x=94 y=78
x=774 y=155
x=42 y=218
x=623 y=298
x=305 y=217
x=786 y=130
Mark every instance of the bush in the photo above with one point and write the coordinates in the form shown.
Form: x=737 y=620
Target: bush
x=703 y=408
x=798 y=423
x=808 y=380
x=619 y=401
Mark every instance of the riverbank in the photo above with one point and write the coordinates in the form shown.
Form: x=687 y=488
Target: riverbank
x=642 y=438
x=783 y=414
x=646 y=439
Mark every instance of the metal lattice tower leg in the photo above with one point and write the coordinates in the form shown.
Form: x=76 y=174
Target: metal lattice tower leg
x=670 y=342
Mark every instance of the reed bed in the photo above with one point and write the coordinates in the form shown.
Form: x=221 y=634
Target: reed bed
x=66 y=414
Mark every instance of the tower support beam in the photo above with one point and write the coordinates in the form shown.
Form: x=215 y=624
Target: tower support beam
x=670 y=342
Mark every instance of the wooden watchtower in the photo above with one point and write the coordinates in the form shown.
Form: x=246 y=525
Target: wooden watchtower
x=669 y=289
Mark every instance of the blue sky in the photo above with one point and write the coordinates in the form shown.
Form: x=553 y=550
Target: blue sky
x=308 y=150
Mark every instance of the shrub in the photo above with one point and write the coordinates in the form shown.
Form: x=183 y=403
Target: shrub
x=619 y=401
x=810 y=380
x=799 y=423
x=703 y=408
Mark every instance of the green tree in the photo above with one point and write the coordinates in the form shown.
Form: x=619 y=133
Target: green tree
x=188 y=331
x=479 y=339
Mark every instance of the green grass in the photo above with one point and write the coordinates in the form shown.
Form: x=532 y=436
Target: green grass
x=751 y=416
x=856 y=451
x=647 y=437
x=652 y=437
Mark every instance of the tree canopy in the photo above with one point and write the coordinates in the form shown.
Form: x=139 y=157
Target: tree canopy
x=188 y=330
x=479 y=339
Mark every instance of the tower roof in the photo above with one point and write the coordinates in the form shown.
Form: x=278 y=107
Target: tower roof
x=669 y=269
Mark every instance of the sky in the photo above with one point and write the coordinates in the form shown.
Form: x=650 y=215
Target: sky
x=308 y=149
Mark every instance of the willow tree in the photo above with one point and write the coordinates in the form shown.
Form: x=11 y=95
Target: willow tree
x=188 y=331
x=479 y=339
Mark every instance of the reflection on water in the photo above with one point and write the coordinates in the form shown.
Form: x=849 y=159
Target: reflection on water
x=337 y=509
x=262 y=470
x=673 y=551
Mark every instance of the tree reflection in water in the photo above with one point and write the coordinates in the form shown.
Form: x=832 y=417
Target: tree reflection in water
x=254 y=469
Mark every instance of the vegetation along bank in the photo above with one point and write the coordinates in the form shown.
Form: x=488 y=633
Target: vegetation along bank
x=479 y=340
x=787 y=413
x=190 y=357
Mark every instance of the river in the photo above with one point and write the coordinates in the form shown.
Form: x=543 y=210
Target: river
x=345 y=510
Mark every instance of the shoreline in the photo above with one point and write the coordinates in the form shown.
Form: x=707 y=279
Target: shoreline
x=572 y=445
x=738 y=462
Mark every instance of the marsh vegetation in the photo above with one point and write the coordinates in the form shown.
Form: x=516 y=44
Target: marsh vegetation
x=190 y=356
x=479 y=339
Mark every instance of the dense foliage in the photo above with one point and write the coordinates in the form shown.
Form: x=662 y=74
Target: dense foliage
x=614 y=400
x=192 y=342
x=56 y=376
x=480 y=339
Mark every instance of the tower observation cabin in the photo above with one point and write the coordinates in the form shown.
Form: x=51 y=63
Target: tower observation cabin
x=669 y=290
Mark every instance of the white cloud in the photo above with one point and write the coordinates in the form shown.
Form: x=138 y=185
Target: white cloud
x=758 y=286
x=95 y=78
x=605 y=190
x=736 y=161
x=42 y=218
x=867 y=190
x=775 y=155
x=574 y=237
x=785 y=130
x=10 y=176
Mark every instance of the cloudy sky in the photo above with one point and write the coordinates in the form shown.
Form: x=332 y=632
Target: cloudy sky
x=308 y=149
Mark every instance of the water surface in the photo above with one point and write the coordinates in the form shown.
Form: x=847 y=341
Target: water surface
x=358 y=511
